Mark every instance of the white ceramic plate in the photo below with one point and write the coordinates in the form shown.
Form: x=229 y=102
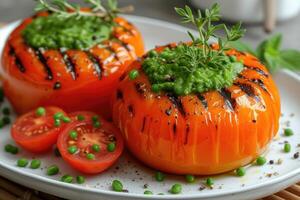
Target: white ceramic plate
x=258 y=182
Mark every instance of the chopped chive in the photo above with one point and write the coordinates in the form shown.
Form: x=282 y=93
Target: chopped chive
x=72 y=149
x=90 y=156
x=73 y=134
x=159 y=176
x=66 y=119
x=35 y=163
x=57 y=122
x=96 y=147
x=133 y=74
x=261 y=160
x=22 y=162
x=80 y=179
x=287 y=148
x=40 y=111
x=240 y=171
x=190 y=178
x=11 y=149
x=66 y=178
x=288 y=132
x=117 y=186
x=52 y=170
x=176 y=188
x=58 y=115
x=111 y=147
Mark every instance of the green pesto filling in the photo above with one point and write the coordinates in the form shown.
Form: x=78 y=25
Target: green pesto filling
x=54 y=32
x=183 y=70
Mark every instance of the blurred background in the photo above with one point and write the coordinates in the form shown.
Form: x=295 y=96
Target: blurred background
x=278 y=16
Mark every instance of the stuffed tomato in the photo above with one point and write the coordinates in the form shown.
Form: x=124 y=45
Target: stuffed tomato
x=71 y=62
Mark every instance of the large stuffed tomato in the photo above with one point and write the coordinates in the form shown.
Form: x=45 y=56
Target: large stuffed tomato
x=205 y=133
x=73 y=79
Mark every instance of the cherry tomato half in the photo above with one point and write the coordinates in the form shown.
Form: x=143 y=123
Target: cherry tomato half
x=37 y=132
x=88 y=147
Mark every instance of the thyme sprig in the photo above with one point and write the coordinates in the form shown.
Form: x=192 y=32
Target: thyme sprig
x=206 y=29
x=64 y=9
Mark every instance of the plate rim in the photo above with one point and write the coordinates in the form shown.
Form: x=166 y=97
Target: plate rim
x=78 y=188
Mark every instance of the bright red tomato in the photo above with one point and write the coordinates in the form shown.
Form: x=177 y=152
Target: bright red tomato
x=88 y=148
x=37 y=133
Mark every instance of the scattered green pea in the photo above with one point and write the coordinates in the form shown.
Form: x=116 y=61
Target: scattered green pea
x=80 y=179
x=176 y=188
x=80 y=117
x=117 y=186
x=67 y=179
x=159 y=176
x=95 y=118
x=35 y=164
x=240 y=171
x=22 y=162
x=40 y=111
x=96 y=124
x=73 y=134
x=155 y=88
x=111 y=147
x=66 y=119
x=261 y=160
x=11 y=149
x=72 y=149
x=96 y=147
x=133 y=74
x=57 y=122
x=287 y=148
x=6 y=120
x=6 y=111
x=288 y=132
x=210 y=182
x=190 y=178
x=148 y=192
x=52 y=170
x=90 y=156
x=58 y=115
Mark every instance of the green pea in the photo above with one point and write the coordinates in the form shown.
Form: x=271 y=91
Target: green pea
x=95 y=118
x=58 y=115
x=90 y=156
x=52 y=170
x=159 y=176
x=190 y=178
x=148 y=192
x=288 y=132
x=117 y=186
x=22 y=162
x=11 y=149
x=40 y=111
x=57 y=122
x=96 y=124
x=73 y=134
x=6 y=120
x=176 y=188
x=111 y=147
x=67 y=179
x=287 y=148
x=240 y=171
x=96 y=147
x=1 y=124
x=80 y=117
x=155 y=88
x=6 y=111
x=35 y=163
x=72 y=149
x=133 y=74
x=80 y=179
x=66 y=119
x=261 y=160
x=209 y=181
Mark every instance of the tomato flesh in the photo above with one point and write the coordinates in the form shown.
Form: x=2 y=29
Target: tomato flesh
x=35 y=133
x=87 y=136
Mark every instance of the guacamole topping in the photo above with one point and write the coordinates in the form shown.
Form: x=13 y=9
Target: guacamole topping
x=54 y=32
x=181 y=70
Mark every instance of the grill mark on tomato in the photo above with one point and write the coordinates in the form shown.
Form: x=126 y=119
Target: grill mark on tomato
x=18 y=62
x=187 y=132
x=119 y=94
x=96 y=63
x=202 y=100
x=174 y=128
x=131 y=110
x=57 y=85
x=69 y=63
x=248 y=89
x=176 y=103
x=258 y=82
x=228 y=100
x=258 y=70
x=126 y=46
x=143 y=124
x=140 y=88
x=168 y=111
x=112 y=51
x=43 y=60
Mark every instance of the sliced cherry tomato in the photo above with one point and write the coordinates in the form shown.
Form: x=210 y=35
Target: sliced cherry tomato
x=90 y=148
x=37 y=133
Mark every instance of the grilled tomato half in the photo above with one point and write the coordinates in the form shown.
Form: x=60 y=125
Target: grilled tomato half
x=59 y=68
x=180 y=118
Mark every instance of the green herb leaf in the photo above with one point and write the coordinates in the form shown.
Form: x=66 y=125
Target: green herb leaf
x=290 y=59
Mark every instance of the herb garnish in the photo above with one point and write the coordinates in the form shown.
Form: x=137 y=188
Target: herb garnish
x=195 y=67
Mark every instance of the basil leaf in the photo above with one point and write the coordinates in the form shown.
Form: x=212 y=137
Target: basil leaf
x=271 y=61
x=290 y=59
x=260 y=50
x=273 y=43
x=241 y=46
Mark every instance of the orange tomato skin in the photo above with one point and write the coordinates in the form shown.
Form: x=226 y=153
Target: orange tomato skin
x=184 y=136
x=80 y=89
